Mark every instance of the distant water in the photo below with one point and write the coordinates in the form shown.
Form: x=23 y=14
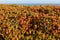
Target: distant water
x=26 y=4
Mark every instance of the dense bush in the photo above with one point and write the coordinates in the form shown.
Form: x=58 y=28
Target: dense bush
x=29 y=22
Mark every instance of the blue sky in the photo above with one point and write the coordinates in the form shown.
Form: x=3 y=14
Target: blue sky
x=29 y=1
